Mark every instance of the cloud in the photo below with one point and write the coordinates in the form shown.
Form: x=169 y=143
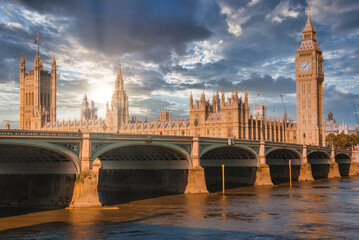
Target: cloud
x=268 y=86
x=169 y=48
x=282 y=11
x=235 y=18
x=153 y=29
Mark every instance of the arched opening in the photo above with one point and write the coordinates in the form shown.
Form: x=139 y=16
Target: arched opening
x=35 y=176
x=278 y=161
x=240 y=167
x=319 y=162
x=343 y=161
x=141 y=171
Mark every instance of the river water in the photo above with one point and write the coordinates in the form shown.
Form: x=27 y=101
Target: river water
x=323 y=209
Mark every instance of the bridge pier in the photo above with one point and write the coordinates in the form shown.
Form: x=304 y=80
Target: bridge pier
x=196 y=182
x=85 y=189
x=305 y=171
x=354 y=166
x=334 y=166
x=263 y=176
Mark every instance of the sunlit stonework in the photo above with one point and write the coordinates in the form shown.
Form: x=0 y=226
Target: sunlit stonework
x=229 y=117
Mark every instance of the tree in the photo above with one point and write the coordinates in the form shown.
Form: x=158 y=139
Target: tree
x=342 y=140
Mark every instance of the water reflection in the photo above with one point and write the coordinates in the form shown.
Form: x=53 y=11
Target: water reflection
x=321 y=209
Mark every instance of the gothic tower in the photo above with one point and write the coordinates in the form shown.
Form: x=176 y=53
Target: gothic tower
x=309 y=75
x=37 y=94
x=117 y=114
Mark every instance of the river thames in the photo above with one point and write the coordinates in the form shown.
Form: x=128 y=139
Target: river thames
x=322 y=209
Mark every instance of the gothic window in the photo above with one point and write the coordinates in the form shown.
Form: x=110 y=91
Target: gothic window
x=303 y=88
x=219 y=133
x=214 y=132
x=230 y=132
x=229 y=116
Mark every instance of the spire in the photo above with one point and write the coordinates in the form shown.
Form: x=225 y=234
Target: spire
x=22 y=62
x=330 y=115
x=308 y=26
x=53 y=63
x=119 y=80
x=37 y=61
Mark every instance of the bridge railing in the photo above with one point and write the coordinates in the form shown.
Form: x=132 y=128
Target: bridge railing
x=138 y=136
x=29 y=133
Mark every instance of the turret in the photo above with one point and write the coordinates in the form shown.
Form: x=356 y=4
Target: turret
x=222 y=98
x=53 y=90
x=203 y=99
x=190 y=100
x=22 y=91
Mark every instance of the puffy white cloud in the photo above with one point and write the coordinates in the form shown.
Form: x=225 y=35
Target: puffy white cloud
x=235 y=18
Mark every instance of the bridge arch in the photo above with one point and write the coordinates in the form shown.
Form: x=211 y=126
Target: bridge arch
x=138 y=167
x=318 y=157
x=281 y=156
x=342 y=158
x=37 y=158
x=137 y=150
x=242 y=149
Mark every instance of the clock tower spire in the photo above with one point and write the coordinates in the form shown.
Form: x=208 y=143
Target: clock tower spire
x=309 y=76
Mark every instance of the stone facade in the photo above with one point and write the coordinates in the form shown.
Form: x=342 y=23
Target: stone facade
x=309 y=75
x=224 y=118
x=37 y=94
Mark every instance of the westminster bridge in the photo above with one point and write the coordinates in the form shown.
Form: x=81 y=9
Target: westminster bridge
x=182 y=164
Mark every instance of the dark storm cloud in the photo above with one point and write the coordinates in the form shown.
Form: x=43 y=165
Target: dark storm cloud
x=154 y=29
x=165 y=32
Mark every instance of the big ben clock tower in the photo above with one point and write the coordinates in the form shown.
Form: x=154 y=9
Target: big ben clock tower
x=309 y=75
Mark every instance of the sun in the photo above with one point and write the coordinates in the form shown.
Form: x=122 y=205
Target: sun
x=101 y=93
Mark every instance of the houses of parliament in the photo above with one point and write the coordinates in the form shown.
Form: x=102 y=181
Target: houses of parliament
x=225 y=117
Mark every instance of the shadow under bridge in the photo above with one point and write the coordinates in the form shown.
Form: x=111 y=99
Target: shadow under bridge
x=36 y=176
x=240 y=166
x=344 y=163
x=278 y=161
x=144 y=168
x=319 y=162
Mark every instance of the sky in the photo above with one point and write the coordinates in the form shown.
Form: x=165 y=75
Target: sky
x=170 y=48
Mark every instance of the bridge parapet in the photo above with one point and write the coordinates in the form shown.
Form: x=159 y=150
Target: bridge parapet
x=29 y=133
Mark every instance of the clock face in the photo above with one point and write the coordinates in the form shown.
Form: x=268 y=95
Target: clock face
x=320 y=66
x=304 y=66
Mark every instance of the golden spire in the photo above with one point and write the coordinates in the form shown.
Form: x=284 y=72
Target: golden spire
x=308 y=26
